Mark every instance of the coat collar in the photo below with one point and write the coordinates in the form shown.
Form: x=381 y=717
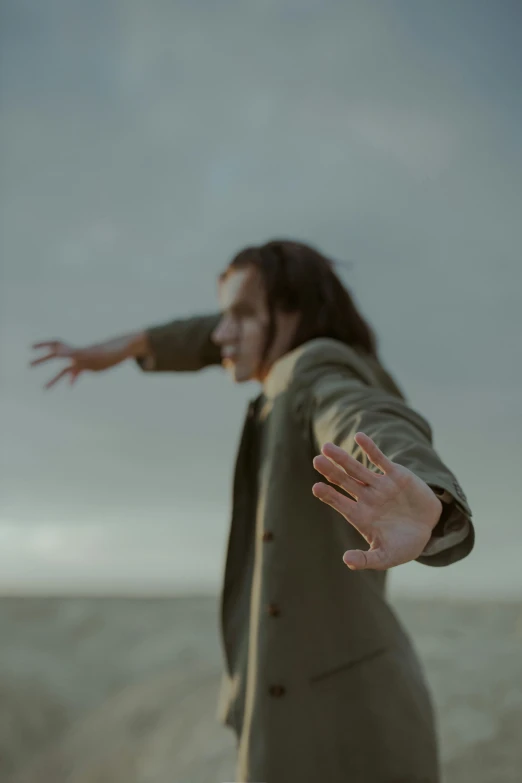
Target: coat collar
x=322 y=351
x=281 y=372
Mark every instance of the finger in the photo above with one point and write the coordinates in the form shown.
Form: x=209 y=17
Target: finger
x=56 y=378
x=74 y=376
x=352 y=466
x=56 y=350
x=50 y=344
x=42 y=359
x=359 y=560
x=373 y=451
x=345 y=506
x=336 y=475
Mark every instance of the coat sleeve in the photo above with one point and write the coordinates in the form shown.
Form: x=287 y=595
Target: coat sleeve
x=183 y=345
x=339 y=404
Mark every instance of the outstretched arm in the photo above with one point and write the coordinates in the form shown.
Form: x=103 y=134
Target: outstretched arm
x=179 y=346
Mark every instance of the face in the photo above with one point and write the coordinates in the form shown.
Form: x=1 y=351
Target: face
x=242 y=331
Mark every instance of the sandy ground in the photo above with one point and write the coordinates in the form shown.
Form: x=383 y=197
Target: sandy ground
x=124 y=690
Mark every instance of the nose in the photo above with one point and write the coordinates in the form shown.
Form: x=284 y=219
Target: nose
x=225 y=332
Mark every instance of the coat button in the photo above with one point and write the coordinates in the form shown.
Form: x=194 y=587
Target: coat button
x=268 y=535
x=273 y=610
x=277 y=691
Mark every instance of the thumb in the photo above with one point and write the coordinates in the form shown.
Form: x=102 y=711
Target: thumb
x=358 y=560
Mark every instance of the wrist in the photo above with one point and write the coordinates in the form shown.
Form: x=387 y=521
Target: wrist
x=134 y=346
x=439 y=514
x=444 y=499
x=434 y=510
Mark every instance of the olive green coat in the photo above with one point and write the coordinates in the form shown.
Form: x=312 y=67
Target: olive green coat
x=321 y=682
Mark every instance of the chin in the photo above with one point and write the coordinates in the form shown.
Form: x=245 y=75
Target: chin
x=239 y=373
x=242 y=374
x=241 y=377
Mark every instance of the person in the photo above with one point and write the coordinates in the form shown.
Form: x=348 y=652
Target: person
x=321 y=681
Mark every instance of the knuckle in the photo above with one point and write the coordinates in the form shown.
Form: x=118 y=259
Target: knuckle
x=402 y=477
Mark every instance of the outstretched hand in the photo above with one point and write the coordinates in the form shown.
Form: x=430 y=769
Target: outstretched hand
x=58 y=350
x=395 y=511
x=93 y=358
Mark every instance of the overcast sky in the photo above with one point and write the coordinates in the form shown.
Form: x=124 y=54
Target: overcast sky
x=142 y=144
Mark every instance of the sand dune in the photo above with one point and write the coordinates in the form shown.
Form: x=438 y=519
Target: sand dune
x=124 y=691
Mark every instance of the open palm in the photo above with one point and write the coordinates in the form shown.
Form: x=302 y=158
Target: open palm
x=395 y=511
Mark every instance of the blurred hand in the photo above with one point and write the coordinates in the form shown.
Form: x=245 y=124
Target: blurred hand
x=93 y=358
x=395 y=512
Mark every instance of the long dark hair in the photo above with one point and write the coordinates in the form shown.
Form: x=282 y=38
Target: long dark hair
x=298 y=278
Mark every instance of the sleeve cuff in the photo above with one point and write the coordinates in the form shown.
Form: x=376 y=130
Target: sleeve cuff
x=147 y=363
x=452 y=529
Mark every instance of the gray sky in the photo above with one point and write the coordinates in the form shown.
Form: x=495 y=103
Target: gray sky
x=144 y=143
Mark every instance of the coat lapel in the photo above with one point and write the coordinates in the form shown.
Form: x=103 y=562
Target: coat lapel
x=241 y=530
